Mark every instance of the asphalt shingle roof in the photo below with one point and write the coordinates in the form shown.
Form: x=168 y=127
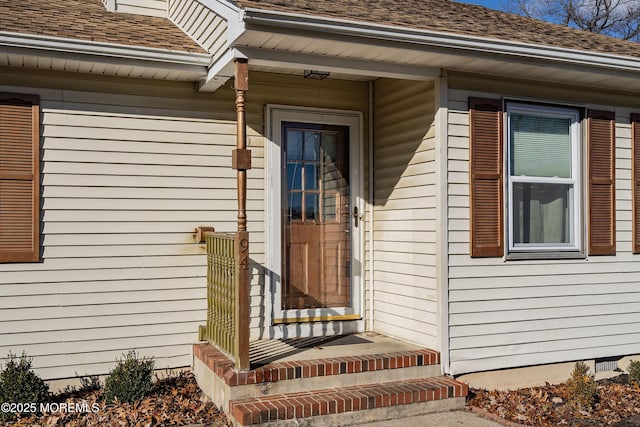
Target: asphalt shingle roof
x=452 y=17
x=89 y=20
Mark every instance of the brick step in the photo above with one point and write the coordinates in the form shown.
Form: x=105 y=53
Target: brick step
x=351 y=405
x=301 y=375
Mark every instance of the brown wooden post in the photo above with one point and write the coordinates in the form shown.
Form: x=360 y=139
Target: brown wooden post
x=241 y=161
x=242 y=303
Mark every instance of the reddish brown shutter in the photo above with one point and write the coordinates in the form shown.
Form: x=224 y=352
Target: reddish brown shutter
x=486 y=177
x=602 y=204
x=635 y=185
x=19 y=178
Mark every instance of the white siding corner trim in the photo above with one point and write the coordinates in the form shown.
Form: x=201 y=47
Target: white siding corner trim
x=442 y=259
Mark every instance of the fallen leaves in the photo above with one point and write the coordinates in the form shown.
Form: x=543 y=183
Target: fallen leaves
x=618 y=405
x=175 y=401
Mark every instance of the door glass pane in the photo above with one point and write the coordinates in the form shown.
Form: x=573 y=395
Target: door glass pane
x=542 y=213
x=310 y=176
x=329 y=148
x=329 y=177
x=294 y=145
x=329 y=205
x=540 y=146
x=294 y=205
x=311 y=146
x=316 y=235
x=311 y=206
x=294 y=176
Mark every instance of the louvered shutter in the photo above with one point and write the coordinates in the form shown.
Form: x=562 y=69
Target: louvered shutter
x=486 y=199
x=602 y=205
x=635 y=135
x=19 y=178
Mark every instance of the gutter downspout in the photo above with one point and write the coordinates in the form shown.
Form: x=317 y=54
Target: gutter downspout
x=371 y=203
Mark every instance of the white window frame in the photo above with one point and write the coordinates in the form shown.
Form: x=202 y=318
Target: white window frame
x=575 y=244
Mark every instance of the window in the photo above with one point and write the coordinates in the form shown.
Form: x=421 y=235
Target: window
x=538 y=169
x=543 y=184
x=19 y=178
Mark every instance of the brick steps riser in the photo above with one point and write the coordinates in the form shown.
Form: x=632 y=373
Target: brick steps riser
x=303 y=369
x=333 y=381
x=333 y=402
x=328 y=392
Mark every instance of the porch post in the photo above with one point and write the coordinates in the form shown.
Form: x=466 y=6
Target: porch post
x=241 y=161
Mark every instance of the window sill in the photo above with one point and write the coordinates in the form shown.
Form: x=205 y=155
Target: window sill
x=516 y=256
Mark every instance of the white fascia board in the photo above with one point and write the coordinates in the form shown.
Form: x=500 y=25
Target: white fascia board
x=110 y=5
x=57 y=46
x=221 y=70
x=440 y=39
x=338 y=65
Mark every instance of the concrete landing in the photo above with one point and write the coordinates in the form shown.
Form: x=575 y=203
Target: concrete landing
x=262 y=352
x=438 y=419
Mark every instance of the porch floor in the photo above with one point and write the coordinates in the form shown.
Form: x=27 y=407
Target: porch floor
x=263 y=352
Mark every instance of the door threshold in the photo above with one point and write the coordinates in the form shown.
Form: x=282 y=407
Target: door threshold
x=317 y=319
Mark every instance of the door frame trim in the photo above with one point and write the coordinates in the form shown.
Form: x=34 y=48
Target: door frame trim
x=274 y=116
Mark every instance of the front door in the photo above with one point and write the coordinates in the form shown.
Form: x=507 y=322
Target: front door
x=317 y=217
x=314 y=228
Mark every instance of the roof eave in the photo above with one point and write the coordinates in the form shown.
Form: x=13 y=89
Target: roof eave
x=442 y=40
x=192 y=63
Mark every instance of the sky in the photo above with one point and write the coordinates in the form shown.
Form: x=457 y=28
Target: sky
x=493 y=4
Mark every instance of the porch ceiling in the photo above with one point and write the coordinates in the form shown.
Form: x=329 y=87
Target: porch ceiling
x=291 y=51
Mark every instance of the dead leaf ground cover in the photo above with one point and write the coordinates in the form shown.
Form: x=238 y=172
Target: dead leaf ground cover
x=617 y=404
x=174 y=401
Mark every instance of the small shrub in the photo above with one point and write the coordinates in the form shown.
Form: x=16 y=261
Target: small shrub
x=130 y=380
x=634 y=372
x=582 y=387
x=87 y=384
x=19 y=384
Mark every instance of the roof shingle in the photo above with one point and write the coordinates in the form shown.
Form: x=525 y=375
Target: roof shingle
x=452 y=17
x=89 y=20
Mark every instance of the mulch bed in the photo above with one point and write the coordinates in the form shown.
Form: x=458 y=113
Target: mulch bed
x=617 y=405
x=175 y=401
x=178 y=401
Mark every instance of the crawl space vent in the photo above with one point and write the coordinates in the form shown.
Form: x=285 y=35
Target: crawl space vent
x=607 y=364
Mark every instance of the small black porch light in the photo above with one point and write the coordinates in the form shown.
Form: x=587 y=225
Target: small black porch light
x=315 y=74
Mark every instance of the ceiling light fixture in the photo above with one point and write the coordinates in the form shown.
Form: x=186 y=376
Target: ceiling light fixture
x=315 y=74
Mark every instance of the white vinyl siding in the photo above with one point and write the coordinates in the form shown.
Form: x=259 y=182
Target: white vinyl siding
x=129 y=169
x=120 y=267
x=142 y=7
x=200 y=23
x=405 y=302
x=526 y=312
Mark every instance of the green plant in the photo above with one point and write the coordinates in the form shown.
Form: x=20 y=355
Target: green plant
x=582 y=387
x=130 y=380
x=19 y=385
x=87 y=384
x=634 y=372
